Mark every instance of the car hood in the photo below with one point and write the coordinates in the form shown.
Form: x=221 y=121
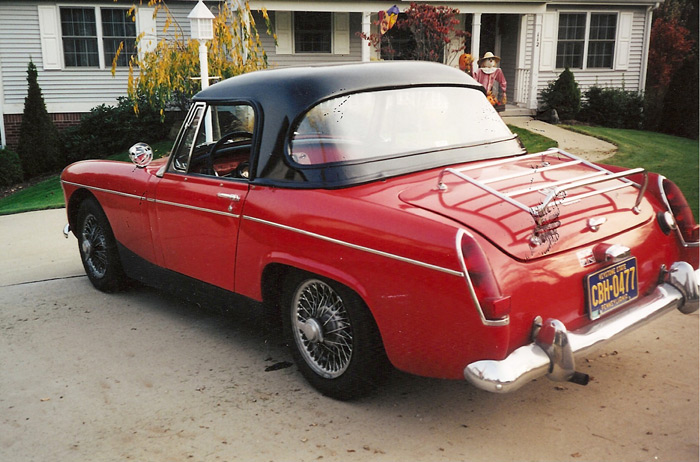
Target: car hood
x=503 y=201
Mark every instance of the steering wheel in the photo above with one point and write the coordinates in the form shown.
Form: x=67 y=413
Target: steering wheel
x=243 y=170
x=223 y=140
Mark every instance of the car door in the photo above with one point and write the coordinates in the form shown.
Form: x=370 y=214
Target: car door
x=200 y=195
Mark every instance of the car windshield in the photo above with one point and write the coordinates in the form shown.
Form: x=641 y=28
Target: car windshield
x=394 y=123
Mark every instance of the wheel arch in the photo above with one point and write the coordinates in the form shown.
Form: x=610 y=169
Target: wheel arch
x=78 y=197
x=274 y=274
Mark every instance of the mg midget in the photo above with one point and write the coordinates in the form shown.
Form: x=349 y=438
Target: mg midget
x=392 y=219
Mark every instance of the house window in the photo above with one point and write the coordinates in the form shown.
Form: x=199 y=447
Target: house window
x=601 y=41
x=79 y=31
x=117 y=28
x=586 y=37
x=312 y=32
x=82 y=38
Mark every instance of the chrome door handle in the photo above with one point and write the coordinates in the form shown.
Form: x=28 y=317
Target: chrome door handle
x=232 y=197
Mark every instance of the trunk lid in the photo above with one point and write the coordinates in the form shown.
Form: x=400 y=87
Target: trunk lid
x=536 y=204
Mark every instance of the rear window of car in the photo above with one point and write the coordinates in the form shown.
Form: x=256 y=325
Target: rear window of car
x=394 y=123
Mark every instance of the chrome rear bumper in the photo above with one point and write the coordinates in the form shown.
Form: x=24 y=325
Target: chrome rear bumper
x=553 y=349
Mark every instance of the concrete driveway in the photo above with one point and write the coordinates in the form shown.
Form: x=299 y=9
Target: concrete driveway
x=86 y=376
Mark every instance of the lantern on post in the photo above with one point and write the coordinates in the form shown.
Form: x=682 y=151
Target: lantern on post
x=202 y=29
x=201 y=22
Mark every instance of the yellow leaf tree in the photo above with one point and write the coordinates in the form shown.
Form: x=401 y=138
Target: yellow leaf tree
x=168 y=76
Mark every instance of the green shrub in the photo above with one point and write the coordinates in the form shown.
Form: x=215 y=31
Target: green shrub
x=613 y=107
x=563 y=95
x=11 y=170
x=38 y=146
x=109 y=129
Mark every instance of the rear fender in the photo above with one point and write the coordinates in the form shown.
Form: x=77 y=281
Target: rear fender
x=294 y=262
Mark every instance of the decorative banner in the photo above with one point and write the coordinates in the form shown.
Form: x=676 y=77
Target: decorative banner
x=387 y=19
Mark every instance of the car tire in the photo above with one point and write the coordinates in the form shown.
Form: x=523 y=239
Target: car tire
x=333 y=337
x=98 y=248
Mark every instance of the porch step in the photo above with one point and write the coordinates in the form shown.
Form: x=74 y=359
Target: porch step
x=515 y=111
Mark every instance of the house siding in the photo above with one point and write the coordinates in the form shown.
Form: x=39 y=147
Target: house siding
x=629 y=79
x=301 y=59
x=65 y=90
x=74 y=91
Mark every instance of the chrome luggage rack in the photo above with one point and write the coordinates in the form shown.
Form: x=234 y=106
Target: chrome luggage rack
x=555 y=193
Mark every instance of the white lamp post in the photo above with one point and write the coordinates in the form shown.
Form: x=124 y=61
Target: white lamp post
x=202 y=29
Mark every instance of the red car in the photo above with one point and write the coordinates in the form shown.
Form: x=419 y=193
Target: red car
x=393 y=219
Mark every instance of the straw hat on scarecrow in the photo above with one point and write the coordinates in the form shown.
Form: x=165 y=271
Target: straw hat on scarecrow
x=489 y=55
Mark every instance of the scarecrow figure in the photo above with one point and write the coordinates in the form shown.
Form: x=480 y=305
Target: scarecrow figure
x=487 y=74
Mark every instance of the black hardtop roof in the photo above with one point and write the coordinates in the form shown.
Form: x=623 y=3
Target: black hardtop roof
x=303 y=86
x=282 y=96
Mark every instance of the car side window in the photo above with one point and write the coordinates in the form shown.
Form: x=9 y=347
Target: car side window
x=181 y=155
x=223 y=143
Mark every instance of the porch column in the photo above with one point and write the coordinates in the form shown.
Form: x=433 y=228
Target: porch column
x=366 y=31
x=476 y=36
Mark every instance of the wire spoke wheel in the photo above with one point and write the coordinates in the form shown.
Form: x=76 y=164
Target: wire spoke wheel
x=322 y=329
x=94 y=246
x=98 y=248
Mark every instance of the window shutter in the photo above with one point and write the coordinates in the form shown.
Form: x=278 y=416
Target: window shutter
x=50 y=37
x=146 y=25
x=341 y=33
x=283 y=30
x=624 y=40
x=548 y=43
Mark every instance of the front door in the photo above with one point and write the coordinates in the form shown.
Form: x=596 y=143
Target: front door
x=200 y=197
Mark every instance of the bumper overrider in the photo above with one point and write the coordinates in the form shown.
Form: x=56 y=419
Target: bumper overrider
x=553 y=348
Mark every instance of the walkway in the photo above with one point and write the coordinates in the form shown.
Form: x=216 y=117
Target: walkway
x=585 y=146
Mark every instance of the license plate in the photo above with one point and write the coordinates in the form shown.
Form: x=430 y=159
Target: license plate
x=611 y=287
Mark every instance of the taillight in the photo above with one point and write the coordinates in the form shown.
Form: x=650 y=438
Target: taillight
x=494 y=306
x=681 y=211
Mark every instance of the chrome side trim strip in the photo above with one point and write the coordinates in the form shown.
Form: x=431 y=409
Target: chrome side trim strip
x=108 y=191
x=155 y=201
x=192 y=207
x=356 y=247
x=285 y=227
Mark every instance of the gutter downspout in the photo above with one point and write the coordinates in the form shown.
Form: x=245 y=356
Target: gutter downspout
x=645 y=47
x=3 y=139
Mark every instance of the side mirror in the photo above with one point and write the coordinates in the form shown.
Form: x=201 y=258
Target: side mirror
x=141 y=154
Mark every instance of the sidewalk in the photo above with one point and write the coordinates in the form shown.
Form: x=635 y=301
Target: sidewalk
x=585 y=146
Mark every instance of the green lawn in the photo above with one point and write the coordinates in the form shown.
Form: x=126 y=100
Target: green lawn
x=48 y=193
x=533 y=142
x=674 y=157
x=44 y=195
